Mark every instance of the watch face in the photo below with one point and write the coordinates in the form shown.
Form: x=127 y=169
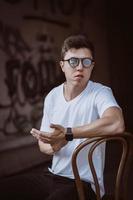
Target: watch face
x=69 y=134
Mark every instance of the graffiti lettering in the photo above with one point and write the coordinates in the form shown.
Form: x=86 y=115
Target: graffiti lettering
x=12 y=42
x=27 y=78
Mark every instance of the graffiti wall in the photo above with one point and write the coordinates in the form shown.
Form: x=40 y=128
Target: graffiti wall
x=31 y=34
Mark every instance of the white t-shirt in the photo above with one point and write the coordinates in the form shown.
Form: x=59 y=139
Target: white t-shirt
x=88 y=106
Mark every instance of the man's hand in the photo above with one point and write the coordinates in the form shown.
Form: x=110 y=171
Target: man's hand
x=57 y=135
x=56 y=139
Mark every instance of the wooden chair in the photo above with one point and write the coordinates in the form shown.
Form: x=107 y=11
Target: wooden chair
x=125 y=140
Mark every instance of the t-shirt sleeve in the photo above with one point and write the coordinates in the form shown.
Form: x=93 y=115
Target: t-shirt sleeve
x=104 y=100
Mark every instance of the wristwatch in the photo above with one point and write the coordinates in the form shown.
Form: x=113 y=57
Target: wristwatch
x=69 y=134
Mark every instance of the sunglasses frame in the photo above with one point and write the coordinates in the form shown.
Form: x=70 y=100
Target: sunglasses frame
x=79 y=59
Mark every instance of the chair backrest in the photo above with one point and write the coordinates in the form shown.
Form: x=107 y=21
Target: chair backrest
x=123 y=139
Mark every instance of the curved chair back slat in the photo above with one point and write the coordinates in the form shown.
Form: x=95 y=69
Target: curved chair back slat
x=97 y=140
x=75 y=168
x=121 y=164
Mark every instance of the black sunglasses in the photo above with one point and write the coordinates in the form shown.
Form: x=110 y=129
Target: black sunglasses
x=74 y=62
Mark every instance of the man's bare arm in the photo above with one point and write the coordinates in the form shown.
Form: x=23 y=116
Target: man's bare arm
x=45 y=148
x=111 y=122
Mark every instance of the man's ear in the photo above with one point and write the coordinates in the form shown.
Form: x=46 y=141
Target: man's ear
x=92 y=66
x=62 y=65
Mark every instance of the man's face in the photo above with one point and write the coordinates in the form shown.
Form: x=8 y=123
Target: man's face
x=78 y=75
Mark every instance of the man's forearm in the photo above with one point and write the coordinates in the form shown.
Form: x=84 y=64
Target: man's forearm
x=106 y=124
x=45 y=148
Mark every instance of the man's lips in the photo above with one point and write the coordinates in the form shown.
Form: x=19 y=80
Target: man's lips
x=79 y=76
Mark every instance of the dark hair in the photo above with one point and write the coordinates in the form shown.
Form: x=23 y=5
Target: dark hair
x=77 y=42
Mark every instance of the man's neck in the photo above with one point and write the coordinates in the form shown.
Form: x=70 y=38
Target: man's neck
x=72 y=91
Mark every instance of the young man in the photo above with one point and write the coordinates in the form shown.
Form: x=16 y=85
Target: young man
x=76 y=110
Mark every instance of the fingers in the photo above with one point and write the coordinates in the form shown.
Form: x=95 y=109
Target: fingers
x=34 y=131
x=56 y=126
x=39 y=135
x=35 y=135
x=50 y=138
x=44 y=139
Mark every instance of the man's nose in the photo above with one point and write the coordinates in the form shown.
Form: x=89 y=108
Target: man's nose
x=80 y=66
